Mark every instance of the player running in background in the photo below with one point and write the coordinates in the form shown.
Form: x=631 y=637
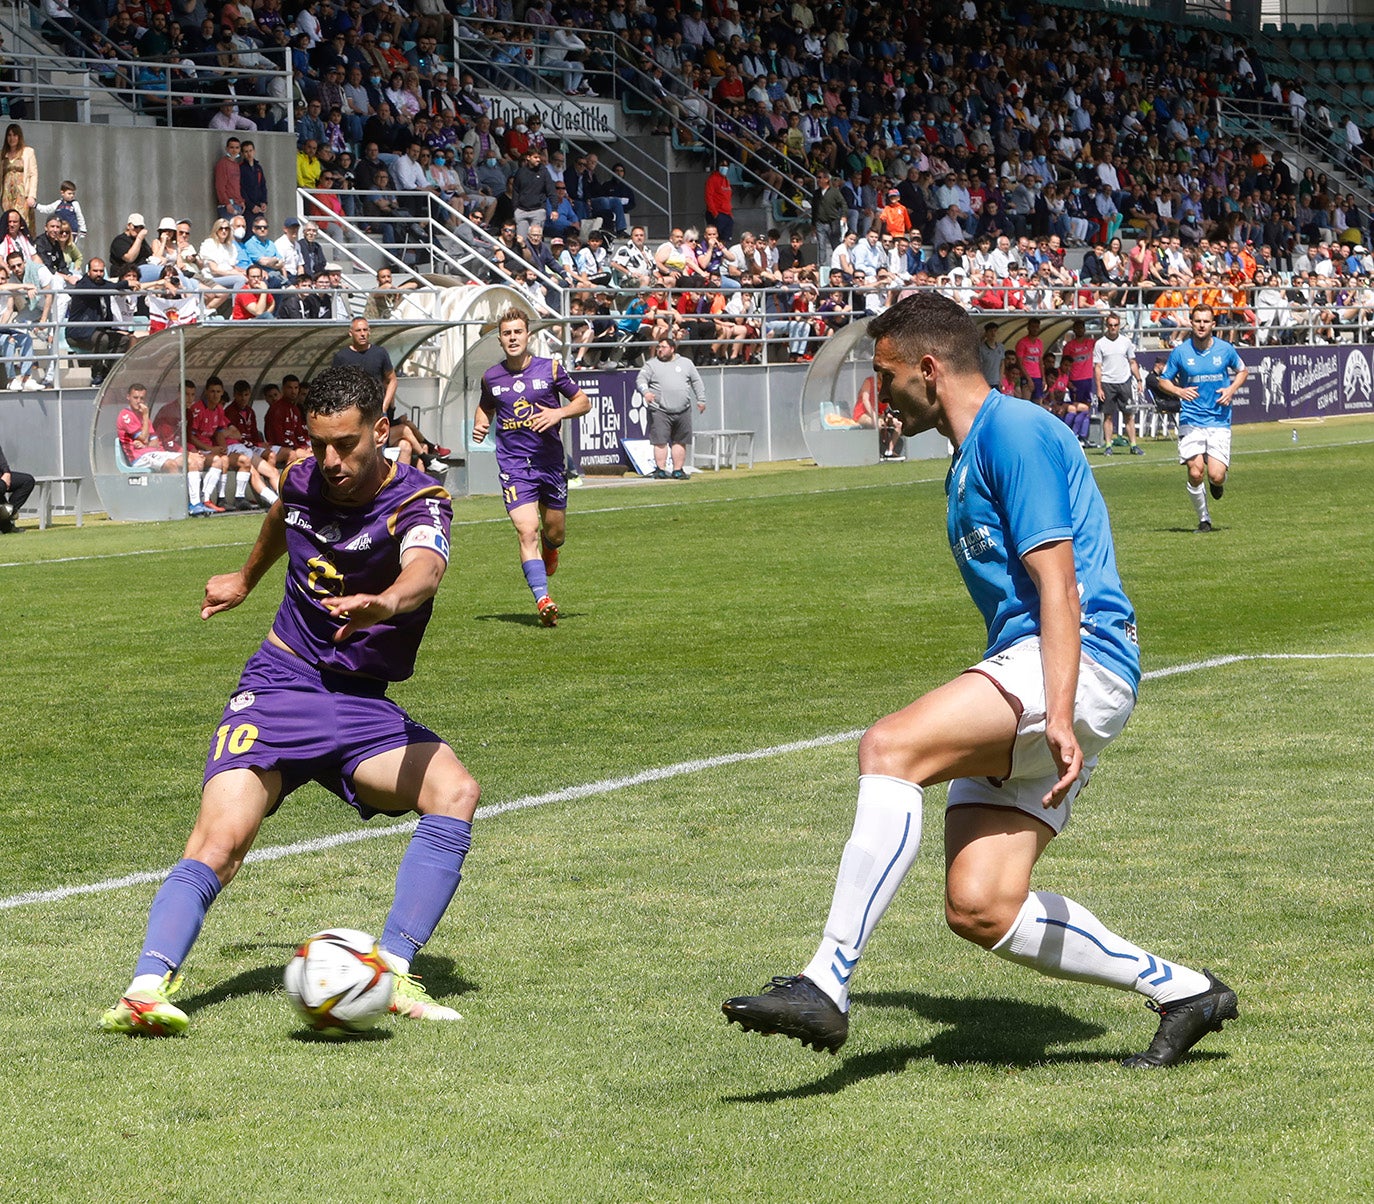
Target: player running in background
x=521 y=398
x=1016 y=736
x=1204 y=373
x=367 y=544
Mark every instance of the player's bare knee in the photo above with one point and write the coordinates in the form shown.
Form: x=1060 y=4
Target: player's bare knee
x=885 y=750
x=978 y=918
x=457 y=796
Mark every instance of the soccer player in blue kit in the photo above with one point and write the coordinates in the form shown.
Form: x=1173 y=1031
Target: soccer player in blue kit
x=1018 y=734
x=522 y=398
x=367 y=544
x=1204 y=373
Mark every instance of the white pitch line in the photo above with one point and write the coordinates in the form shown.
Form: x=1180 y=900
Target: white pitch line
x=605 y=786
x=686 y=501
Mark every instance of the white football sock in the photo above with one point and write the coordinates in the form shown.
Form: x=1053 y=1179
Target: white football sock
x=398 y=964
x=212 y=477
x=881 y=849
x=240 y=484
x=268 y=494
x=1199 y=497
x=193 y=486
x=1063 y=939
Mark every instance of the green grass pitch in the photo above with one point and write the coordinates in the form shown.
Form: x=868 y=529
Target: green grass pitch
x=595 y=934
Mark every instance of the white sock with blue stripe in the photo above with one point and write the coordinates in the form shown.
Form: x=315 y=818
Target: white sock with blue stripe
x=881 y=849
x=1063 y=939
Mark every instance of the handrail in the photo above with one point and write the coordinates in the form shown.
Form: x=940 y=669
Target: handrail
x=1257 y=117
x=441 y=241
x=624 y=73
x=93 y=63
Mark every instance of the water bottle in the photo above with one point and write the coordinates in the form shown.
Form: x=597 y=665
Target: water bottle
x=1295 y=436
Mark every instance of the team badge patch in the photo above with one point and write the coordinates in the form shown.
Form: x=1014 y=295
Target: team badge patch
x=241 y=702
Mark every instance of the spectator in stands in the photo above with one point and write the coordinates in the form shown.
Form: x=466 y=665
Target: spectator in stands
x=720 y=201
x=535 y=194
x=252 y=182
x=219 y=255
x=308 y=166
x=253 y=300
x=18 y=175
x=15 y=340
x=262 y=252
x=169 y=302
x=561 y=218
x=15 y=487
x=228 y=180
x=90 y=321
x=66 y=207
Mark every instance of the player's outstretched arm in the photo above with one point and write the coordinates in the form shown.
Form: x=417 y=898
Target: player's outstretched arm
x=1051 y=568
x=421 y=572
x=227 y=590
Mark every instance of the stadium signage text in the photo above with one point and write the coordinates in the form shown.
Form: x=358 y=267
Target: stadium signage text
x=563 y=118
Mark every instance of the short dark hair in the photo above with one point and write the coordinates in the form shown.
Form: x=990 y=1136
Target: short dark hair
x=929 y=324
x=338 y=389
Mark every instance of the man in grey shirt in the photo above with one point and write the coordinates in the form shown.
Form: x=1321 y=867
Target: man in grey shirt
x=669 y=383
x=991 y=353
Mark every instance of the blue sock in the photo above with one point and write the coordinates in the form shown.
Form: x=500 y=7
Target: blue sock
x=430 y=872
x=176 y=915
x=537 y=578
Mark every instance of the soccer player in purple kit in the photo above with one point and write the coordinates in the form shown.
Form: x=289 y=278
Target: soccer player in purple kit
x=367 y=544
x=521 y=399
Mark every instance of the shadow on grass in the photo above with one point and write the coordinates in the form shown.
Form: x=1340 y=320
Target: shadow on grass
x=439 y=975
x=977 y=1032
x=520 y=620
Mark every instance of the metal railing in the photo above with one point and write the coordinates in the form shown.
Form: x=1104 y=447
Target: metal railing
x=617 y=71
x=162 y=90
x=1272 y=124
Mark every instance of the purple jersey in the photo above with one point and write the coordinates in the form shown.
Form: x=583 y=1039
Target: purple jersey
x=510 y=397
x=334 y=550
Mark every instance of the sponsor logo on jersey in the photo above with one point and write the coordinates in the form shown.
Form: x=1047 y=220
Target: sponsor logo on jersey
x=974 y=544
x=359 y=543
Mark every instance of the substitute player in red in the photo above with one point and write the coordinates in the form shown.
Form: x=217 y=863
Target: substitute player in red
x=522 y=397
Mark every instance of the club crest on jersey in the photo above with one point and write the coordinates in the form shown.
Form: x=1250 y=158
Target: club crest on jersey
x=242 y=701
x=518 y=387
x=330 y=534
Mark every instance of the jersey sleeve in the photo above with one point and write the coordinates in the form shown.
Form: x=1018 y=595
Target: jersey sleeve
x=562 y=382
x=1173 y=367
x=1024 y=464
x=424 y=520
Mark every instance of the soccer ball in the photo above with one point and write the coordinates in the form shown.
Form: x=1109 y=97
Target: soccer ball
x=339 y=982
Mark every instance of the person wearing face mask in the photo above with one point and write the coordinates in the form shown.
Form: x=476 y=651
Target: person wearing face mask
x=491 y=175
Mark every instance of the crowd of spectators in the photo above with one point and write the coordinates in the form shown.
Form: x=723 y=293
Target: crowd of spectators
x=958 y=147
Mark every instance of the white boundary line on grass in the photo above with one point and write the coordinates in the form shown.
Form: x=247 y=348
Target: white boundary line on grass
x=605 y=786
x=664 y=505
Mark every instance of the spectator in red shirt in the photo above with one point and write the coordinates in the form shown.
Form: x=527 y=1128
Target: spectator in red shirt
x=720 y=210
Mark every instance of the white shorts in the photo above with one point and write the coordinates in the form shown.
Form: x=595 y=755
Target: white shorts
x=1212 y=441
x=151 y=461
x=242 y=449
x=1103 y=705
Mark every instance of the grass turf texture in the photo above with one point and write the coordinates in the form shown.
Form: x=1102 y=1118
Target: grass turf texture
x=592 y=940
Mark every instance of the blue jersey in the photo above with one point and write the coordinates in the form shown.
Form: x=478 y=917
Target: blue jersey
x=1020 y=481
x=1207 y=371
x=334 y=551
x=511 y=398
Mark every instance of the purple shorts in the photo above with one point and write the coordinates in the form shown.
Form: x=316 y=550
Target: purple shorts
x=525 y=483
x=308 y=725
x=1084 y=391
x=1037 y=384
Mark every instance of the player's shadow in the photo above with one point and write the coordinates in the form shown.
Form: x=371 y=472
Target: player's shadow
x=980 y=1032
x=523 y=619
x=1186 y=530
x=439 y=974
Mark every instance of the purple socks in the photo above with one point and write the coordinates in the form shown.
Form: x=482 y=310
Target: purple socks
x=429 y=874
x=176 y=915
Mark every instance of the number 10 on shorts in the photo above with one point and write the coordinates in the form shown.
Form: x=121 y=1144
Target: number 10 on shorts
x=239 y=740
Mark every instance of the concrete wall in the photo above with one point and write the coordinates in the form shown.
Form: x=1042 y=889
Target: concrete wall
x=155 y=171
